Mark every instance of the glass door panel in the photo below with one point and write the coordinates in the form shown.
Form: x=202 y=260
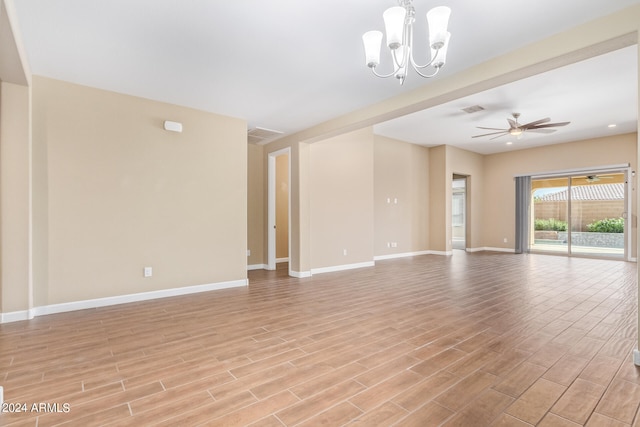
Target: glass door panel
x=597 y=215
x=549 y=215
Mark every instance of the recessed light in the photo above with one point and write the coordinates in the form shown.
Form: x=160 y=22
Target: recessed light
x=509 y=143
x=612 y=125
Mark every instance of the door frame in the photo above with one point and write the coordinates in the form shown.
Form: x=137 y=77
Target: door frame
x=271 y=207
x=466 y=210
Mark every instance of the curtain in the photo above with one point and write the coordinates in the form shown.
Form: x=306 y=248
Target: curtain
x=523 y=202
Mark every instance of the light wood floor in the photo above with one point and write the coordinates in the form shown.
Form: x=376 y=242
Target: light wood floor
x=469 y=340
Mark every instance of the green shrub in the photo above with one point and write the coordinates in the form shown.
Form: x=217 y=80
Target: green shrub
x=550 y=224
x=607 y=225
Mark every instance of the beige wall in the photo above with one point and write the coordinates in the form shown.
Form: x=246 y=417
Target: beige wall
x=341 y=200
x=124 y=194
x=401 y=202
x=440 y=177
x=500 y=170
x=256 y=208
x=282 y=206
x=15 y=169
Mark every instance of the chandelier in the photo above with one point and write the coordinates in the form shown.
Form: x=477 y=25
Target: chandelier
x=398 y=22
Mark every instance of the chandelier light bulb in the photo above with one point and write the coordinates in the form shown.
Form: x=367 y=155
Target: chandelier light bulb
x=372 y=41
x=439 y=56
x=438 y=20
x=394 y=25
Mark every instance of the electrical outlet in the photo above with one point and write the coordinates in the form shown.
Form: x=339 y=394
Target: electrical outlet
x=505 y=240
x=148 y=272
x=394 y=244
x=248 y=252
x=344 y=252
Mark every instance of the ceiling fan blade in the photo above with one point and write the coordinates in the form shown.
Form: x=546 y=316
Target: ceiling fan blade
x=503 y=130
x=550 y=125
x=492 y=133
x=536 y=130
x=537 y=122
x=500 y=136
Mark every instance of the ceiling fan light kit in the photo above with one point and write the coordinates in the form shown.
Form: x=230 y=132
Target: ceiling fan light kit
x=399 y=22
x=517 y=130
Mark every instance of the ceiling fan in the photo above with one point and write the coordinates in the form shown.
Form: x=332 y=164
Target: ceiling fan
x=516 y=129
x=596 y=178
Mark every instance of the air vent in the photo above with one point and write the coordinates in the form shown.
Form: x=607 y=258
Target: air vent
x=473 y=109
x=261 y=135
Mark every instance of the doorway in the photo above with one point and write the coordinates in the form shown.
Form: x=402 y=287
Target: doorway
x=459 y=212
x=279 y=208
x=582 y=214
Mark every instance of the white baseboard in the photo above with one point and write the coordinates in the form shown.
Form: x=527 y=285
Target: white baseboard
x=402 y=255
x=505 y=250
x=297 y=274
x=120 y=299
x=342 y=267
x=490 y=249
x=286 y=259
x=16 y=316
x=445 y=253
x=300 y=274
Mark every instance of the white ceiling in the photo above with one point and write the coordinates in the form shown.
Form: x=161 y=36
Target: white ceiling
x=289 y=65
x=591 y=94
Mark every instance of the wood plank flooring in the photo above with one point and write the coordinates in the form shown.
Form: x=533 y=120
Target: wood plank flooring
x=483 y=339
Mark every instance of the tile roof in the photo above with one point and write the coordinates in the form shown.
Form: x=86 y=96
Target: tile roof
x=588 y=192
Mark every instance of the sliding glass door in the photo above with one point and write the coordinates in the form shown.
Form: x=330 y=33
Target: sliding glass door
x=582 y=214
x=550 y=214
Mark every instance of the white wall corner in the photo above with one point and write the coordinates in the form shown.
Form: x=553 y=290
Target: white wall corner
x=300 y=274
x=475 y=249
